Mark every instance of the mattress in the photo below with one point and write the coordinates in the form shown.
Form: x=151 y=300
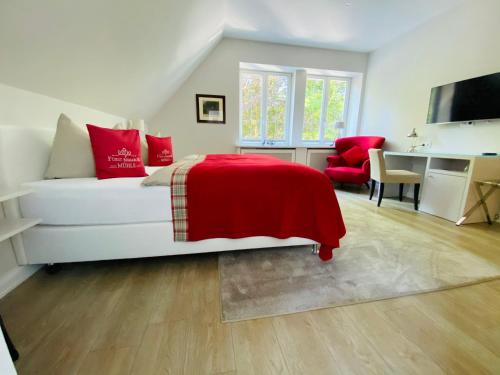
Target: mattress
x=89 y=201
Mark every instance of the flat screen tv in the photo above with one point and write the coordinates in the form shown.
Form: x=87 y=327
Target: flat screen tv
x=470 y=100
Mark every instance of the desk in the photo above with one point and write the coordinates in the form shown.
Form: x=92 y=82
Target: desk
x=447 y=188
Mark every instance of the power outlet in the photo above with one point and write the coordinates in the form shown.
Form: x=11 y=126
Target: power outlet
x=425 y=143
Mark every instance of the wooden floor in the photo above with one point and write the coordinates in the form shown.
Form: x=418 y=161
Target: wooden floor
x=162 y=316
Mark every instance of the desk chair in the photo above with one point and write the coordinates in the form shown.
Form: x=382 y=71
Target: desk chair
x=383 y=176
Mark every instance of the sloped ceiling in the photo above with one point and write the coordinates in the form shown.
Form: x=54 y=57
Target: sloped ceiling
x=127 y=57
x=123 y=57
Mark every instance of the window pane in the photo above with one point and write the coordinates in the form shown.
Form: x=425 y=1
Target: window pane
x=337 y=91
x=277 y=92
x=251 y=94
x=312 y=109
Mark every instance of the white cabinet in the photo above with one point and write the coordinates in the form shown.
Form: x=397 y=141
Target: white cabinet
x=443 y=194
x=280 y=153
x=447 y=189
x=315 y=157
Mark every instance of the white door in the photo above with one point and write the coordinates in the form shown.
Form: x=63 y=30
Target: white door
x=442 y=195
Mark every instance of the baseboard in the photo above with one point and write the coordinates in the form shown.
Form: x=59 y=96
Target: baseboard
x=15 y=277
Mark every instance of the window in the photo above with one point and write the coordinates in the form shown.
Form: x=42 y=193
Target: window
x=267 y=116
x=325 y=104
x=264 y=107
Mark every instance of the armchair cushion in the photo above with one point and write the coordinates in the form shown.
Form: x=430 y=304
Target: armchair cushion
x=366 y=167
x=354 y=156
x=335 y=161
x=346 y=174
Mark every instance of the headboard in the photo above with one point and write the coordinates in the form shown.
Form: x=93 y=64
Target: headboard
x=24 y=154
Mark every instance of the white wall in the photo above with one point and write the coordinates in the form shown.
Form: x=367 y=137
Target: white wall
x=27 y=109
x=120 y=56
x=461 y=44
x=219 y=75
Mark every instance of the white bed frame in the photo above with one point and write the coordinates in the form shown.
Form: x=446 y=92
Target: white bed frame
x=24 y=154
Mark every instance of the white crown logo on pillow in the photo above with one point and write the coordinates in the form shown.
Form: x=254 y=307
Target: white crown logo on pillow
x=124 y=152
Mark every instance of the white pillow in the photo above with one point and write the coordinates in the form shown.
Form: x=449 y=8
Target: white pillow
x=71 y=155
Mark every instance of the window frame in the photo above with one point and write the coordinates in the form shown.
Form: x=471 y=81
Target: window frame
x=263 y=105
x=324 y=105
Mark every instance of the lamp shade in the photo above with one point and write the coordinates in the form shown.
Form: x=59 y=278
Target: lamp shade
x=339 y=125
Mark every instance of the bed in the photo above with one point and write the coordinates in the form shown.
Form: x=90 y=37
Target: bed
x=89 y=201
x=90 y=219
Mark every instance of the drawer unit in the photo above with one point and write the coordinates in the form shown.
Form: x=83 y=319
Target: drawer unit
x=443 y=195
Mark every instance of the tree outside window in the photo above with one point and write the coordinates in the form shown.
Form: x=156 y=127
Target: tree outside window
x=325 y=104
x=264 y=106
x=265 y=101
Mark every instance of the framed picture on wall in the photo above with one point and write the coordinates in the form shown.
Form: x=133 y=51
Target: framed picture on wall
x=211 y=109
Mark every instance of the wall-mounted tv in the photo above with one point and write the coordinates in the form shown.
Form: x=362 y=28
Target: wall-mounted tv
x=470 y=100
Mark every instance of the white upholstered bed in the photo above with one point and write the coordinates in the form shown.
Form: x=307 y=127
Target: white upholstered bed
x=89 y=201
x=87 y=219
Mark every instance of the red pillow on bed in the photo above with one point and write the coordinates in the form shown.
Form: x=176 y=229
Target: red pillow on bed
x=117 y=153
x=354 y=156
x=160 y=151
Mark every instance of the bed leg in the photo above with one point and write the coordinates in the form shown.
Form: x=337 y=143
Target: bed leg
x=52 y=268
x=315 y=249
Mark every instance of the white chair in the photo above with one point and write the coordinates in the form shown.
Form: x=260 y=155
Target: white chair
x=379 y=173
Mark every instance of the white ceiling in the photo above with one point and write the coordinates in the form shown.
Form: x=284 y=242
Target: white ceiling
x=355 y=25
x=127 y=57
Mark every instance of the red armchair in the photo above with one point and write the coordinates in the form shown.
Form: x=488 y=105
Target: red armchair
x=339 y=171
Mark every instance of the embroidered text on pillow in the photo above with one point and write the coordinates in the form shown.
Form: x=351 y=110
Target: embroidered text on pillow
x=124 y=159
x=165 y=156
x=160 y=150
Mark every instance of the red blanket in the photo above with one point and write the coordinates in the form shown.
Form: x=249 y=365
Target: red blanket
x=236 y=196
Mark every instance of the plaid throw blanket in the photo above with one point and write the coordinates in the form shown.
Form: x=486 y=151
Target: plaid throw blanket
x=178 y=195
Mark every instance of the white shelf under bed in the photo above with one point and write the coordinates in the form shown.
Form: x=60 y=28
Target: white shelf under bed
x=11 y=227
x=8 y=194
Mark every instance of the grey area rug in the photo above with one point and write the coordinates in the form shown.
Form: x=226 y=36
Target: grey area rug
x=379 y=259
